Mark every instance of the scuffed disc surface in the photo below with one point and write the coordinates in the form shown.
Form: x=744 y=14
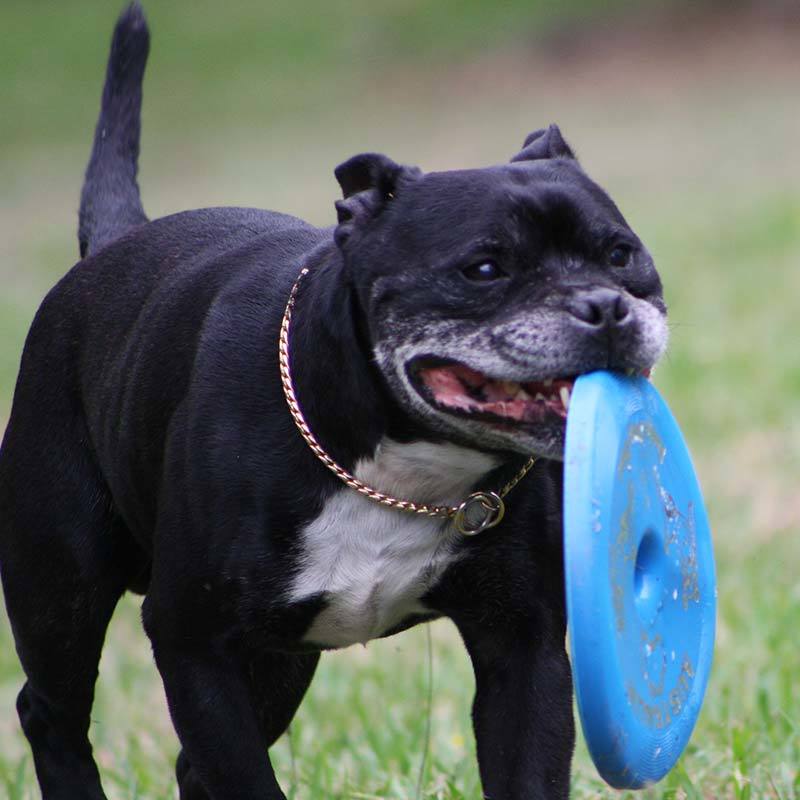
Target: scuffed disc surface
x=639 y=567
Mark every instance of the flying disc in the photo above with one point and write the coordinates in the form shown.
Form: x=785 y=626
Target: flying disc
x=639 y=567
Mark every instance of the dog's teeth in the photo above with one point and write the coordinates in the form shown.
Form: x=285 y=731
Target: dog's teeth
x=564 y=394
x=510 y=387
x=539 y=396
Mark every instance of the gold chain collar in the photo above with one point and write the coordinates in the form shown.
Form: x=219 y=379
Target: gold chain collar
x=481 y=510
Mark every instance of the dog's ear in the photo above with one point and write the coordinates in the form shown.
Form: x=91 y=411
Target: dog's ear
x=544 y=143
x=369 y=182
x=368 y=171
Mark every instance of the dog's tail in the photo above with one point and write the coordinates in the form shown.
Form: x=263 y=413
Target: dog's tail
x=110 y=202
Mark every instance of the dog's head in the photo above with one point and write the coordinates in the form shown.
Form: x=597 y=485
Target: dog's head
x=487 y=291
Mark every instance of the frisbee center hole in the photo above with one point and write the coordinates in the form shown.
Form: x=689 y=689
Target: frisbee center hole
x=648 y=574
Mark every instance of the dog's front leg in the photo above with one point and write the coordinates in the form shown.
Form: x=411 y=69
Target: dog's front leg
x=214 y=715
x=522 y=711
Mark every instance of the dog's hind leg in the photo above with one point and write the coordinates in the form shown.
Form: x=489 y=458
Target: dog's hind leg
x=63 y=559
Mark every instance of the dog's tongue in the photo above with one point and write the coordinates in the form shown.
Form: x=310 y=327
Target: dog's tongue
x=447 y=385
x=458 y=387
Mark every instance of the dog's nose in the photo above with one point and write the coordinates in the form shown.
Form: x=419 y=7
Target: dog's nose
x=600 y=308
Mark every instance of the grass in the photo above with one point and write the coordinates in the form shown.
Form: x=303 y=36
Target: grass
x=265 y=58
x=668 y=125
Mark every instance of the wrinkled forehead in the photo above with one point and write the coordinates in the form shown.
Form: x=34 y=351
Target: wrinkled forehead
x=515 y=200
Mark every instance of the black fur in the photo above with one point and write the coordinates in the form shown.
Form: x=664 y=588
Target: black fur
x=544 y=143
x=110 y=202
x=150 y=448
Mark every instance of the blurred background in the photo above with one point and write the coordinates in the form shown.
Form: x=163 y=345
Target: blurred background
x=688 y=113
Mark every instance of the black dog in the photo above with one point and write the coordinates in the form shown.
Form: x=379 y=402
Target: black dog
x=431 y=348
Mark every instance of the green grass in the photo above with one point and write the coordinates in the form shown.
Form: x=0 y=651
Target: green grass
x=265 y=58
x=283 y=100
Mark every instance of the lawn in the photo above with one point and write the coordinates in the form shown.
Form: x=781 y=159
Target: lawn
x=691 y=123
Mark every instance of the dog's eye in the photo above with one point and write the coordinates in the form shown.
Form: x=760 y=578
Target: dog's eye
x=483 y=273
x=620 y=255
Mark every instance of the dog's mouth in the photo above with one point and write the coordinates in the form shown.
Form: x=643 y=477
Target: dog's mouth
x=458 y=389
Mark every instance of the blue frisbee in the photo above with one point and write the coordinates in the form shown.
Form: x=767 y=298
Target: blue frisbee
x=639 y=566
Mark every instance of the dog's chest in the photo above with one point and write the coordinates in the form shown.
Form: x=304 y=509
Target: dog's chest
x=373 y=563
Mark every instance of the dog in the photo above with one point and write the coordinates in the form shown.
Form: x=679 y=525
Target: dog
x=291 y=439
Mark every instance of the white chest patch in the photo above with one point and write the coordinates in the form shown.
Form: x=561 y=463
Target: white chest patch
x=372 y=562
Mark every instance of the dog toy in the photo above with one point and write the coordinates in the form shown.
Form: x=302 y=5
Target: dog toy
x=640 y=584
